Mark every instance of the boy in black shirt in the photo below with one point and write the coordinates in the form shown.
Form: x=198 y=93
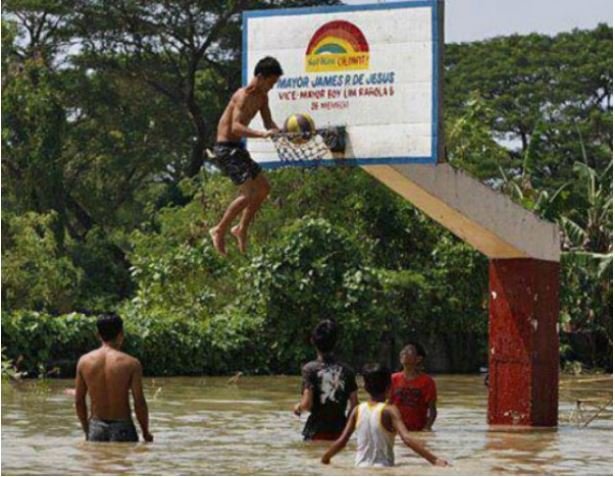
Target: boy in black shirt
x=328 y=387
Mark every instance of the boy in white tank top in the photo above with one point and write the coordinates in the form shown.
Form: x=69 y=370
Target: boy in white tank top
x=376 y=424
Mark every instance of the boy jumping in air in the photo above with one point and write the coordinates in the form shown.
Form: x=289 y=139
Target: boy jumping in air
x=232 y=158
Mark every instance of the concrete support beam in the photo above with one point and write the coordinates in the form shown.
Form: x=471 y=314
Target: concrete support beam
x=480 y=216
x=524 y=255
x=523 y=342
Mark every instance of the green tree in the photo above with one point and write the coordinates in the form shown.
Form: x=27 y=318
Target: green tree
x=587 y=297
x=555 y=83
x=470 y=143
x=312 y=272
x=35 y=273
x=33 y=130
x=45 y=28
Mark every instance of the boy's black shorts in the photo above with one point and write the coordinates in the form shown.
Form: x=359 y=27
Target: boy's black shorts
x=235 y=162
x=112 y=431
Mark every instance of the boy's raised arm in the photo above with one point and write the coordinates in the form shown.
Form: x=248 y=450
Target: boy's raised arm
x=341 y=442
x=400 y=427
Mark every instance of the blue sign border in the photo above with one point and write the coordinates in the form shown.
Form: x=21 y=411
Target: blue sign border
x=436 y=20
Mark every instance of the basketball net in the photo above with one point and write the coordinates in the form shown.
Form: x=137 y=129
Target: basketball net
x=296 y=147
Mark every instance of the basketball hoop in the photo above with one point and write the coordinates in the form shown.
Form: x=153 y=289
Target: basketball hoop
x=296 y=147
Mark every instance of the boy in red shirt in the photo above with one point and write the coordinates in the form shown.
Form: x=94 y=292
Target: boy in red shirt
x=413 y=391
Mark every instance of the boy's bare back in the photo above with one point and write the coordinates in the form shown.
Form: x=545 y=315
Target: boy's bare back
x=108 y=376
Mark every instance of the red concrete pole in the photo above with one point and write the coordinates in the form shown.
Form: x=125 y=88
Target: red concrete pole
x=523 y=342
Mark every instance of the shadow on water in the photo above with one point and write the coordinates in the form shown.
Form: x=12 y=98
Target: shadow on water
x=210 y=426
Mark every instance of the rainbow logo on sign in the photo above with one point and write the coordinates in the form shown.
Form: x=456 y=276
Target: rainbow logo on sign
x=337 y=45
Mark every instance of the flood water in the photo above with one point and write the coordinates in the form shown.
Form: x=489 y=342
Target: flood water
x=206 y=426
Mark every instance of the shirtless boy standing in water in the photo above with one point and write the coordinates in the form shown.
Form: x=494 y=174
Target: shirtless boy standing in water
x=108 y=375
x=232 y=158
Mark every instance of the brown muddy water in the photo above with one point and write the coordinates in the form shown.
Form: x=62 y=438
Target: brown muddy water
x=206 y=426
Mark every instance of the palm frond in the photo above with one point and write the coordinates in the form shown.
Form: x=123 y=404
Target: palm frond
x=573 y=231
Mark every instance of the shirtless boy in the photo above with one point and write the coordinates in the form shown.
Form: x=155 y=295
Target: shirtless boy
x=232 y=158
x=108 y=375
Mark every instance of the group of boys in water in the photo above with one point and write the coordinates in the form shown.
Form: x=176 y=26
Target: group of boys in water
x=397 y=404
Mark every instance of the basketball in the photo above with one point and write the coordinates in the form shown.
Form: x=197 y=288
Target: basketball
x=300 y=126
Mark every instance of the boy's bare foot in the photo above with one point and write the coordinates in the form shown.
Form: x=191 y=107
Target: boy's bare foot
x=241 y=237
x=218 y=240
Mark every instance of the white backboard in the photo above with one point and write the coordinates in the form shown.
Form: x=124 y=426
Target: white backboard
x=375 y=69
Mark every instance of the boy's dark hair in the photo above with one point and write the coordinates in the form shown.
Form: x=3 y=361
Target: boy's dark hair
x=268 y=66
x=109 y=326
x=324 y=336
x=420 y=351
x=377 y=378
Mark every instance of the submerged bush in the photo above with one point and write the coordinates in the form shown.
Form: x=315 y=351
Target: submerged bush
x=41 y=344
x=38 y=342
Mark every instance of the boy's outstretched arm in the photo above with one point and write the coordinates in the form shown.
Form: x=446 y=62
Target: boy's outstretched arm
x=400 y=427
x=266 y=115
x=241 y=118
x=342 y=440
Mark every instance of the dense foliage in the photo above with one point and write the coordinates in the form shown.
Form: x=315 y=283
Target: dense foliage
x=106 y=203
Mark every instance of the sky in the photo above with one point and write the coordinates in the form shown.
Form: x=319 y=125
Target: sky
x=470 y=20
